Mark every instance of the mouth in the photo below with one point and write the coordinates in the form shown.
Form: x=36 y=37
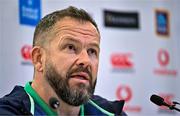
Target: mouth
x=80 y=75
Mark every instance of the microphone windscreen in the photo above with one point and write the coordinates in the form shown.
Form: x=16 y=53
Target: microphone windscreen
x=54 y=103
x=157 y=100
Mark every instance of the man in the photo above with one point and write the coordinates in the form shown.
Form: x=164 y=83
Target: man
x=65 y=56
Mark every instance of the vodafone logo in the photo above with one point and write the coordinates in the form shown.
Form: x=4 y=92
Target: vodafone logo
x=168 y=98
x=124 y=93
x=163 y=57
x=26 y=52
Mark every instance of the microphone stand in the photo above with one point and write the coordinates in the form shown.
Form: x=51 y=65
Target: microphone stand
x=172 y=107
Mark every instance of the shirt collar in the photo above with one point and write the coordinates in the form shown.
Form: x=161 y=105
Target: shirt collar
x=42 y=103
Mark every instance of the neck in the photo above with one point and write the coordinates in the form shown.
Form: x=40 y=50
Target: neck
x=66 y=109
x=46 y=92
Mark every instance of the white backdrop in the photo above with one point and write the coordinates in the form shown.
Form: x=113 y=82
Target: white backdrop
x=120 y=47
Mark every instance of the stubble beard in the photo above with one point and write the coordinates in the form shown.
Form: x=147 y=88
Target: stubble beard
x=74 y=96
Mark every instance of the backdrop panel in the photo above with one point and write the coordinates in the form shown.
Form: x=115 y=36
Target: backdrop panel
x=139 y=48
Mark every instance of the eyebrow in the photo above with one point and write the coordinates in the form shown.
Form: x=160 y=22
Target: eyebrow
x=96 y=45
x=77 y=41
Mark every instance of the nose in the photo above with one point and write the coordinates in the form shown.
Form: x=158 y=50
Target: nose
x=83 y=59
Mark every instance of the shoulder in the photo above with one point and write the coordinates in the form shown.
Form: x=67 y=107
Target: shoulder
x=15 y=102
x=115 y=107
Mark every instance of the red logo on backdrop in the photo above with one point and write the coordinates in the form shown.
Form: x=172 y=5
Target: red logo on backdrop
x=124 y=92
x=26 y=54
x=163 y=58
x=168 y=98
x=122 y=62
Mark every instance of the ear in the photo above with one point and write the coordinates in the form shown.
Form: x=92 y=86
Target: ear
x=37 y=56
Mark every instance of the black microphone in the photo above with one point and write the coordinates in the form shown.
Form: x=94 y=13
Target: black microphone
x=54 y=103
x=160 y=102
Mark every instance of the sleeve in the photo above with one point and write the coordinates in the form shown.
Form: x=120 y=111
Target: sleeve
x=15 y=103
x=11 y=107
x=7 y=109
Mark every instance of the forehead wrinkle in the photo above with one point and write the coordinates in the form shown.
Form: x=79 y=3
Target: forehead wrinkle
x=69 y=39
x=72 y=30
x=83 y=31
x=75 y=39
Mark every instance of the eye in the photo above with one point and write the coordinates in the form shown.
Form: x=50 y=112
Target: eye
x=70 y=48
x=92 y=52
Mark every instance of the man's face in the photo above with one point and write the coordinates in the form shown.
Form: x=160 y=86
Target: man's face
x=72 y=60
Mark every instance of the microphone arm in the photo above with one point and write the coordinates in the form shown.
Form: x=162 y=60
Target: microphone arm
x=172 y=107
x=174 y=102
